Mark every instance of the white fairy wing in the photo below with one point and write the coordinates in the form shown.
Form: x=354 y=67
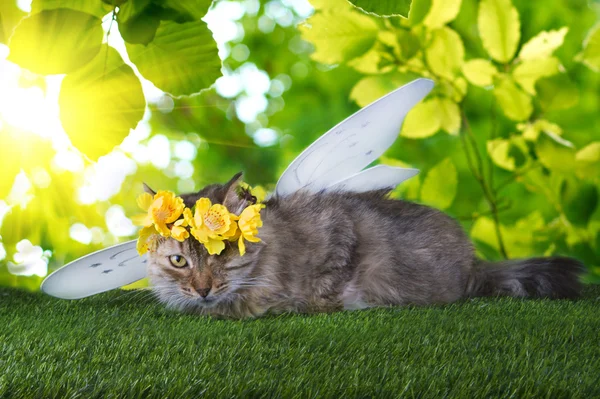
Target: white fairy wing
x=353 y=144
x=375 y=178
x=100 y=271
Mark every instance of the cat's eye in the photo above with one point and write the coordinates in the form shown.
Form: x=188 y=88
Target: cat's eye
x=177 y=260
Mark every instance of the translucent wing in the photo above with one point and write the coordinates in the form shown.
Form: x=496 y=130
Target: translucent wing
x=375 y=178
x=100 y=271
x=341 y=153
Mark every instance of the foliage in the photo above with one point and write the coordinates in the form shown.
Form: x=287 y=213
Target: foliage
x=168 y=42
x=507 y=142
x=125 y=344
x=516 y=135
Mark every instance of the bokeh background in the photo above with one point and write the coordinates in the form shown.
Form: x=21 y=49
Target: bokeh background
x=501 y=152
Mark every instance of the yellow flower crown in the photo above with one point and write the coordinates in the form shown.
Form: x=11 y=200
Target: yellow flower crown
x=210 y=224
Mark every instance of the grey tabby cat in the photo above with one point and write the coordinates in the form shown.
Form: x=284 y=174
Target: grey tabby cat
x=326 y=252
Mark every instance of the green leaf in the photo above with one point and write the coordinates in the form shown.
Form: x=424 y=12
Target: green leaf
x=590 y=153
x=325 y=4
x=590 y=56
x=449 y=114
x=445 y=53
x=441 y=13
x=142 y=29
x=132 y=9
x=409 y=44
x=374 y=61
x=555 y=153
x=499 y=28
x=138 y=21
x=531 y=131
x=93 y=7
x=371 y=88
x=339 y=35
x=113 y=3
x=100 y=103
x=483 y=234
x=381 y=58
x=515 y=103
x=498 y=151
x=10 y=15
x=418 y=11
x=422 y=121
x=55 y=41
x=519 y=238
x=439 y=186
x=588 y=161
x=455 y=90
x=543 y=45
x=508 y=154
x=529 y=71
x=181 y=60
x=186 y=11
x=479 y=72
x=383 y=8
x=557 y=92
x=579 y=200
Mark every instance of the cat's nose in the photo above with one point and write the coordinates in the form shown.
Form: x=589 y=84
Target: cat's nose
x=203 y=291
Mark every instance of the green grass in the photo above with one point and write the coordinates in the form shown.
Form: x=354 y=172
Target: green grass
x=123 y=344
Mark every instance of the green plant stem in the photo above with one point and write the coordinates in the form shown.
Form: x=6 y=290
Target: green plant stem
x=493 y=135
x=515 y=176
x=479 y=174
x=477 y=215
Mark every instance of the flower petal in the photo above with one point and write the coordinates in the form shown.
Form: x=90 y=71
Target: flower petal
x=162 y=229
x=200 y=234
x=233 y=230
x=214 y=247
x=241 y=246
x=142 y=219
x=189 y=219
x=146 y=235
x=202 y=206
x=145 y=200
x=179 y=233
x=217 y=219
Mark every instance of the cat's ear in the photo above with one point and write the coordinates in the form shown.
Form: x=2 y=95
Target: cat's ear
x=149 y=190
x=232 y=200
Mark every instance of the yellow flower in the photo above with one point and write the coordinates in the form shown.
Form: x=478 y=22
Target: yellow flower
x=209 y=224
x=248 y=224
x=161 y=209
x=147 y=240
x=179 y=231
x=165 y=209
x=144 y=201
x=210 y=221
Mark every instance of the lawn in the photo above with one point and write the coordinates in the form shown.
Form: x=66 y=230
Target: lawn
x=124 y=344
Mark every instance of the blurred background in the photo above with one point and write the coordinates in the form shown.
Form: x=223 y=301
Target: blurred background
x=276 y=94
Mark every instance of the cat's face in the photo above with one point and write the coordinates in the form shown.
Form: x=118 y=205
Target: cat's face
x=185 y=276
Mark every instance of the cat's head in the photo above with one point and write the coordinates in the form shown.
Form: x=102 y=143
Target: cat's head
x=185 y=276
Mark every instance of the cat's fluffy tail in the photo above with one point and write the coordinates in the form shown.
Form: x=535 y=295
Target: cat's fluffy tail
x=556 y=278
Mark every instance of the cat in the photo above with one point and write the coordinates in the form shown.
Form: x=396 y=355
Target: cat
x=329 y=251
